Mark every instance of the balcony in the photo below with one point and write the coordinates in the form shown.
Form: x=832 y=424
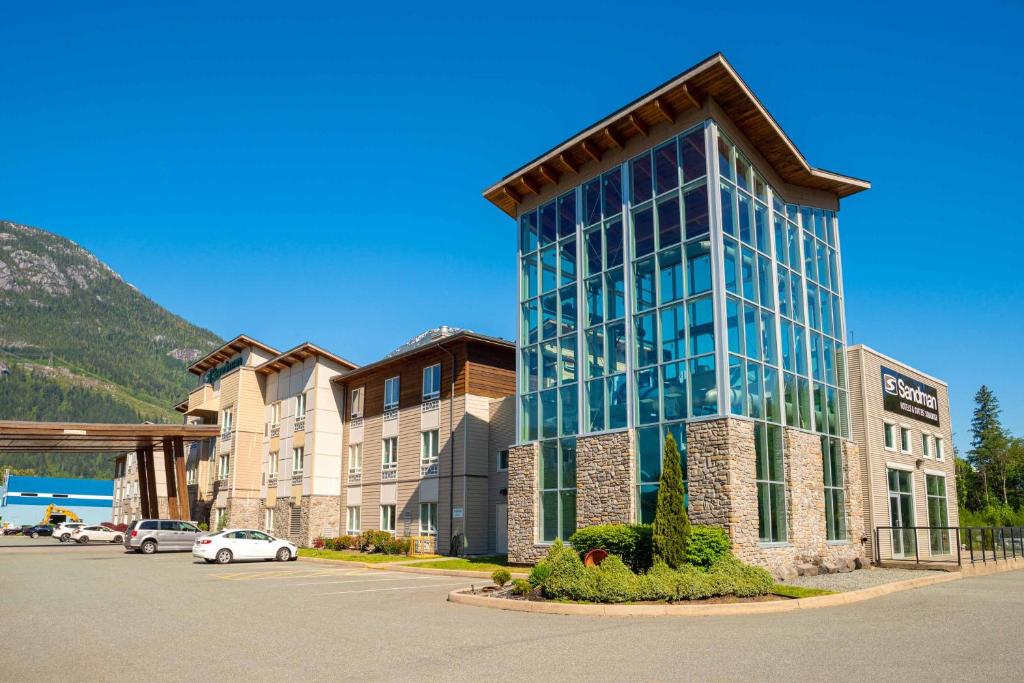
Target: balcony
x=355 y=476
x=272 y=480
x=430 y=404
x=389 y=473
x=275 y=431
x=225 y=437
x=297 y=478
x=391 y=414
x=300 y=424
x=355 y=421
x=428 y=469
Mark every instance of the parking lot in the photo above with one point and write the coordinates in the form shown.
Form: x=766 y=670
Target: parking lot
x=98 y=613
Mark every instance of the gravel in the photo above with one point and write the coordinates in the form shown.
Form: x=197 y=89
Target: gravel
x=862 y=578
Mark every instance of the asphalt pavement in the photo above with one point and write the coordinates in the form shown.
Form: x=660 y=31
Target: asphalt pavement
x=91 y=613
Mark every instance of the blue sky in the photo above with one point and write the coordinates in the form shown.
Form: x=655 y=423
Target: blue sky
x=325 y=164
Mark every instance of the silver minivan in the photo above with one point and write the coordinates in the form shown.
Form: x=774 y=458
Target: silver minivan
x=151 y=535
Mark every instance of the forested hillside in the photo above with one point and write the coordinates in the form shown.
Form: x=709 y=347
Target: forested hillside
x=79 y=343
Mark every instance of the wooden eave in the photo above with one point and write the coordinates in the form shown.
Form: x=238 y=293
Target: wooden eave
x=78 y=437
x=225 y=352
x=298 y=355
x=715 y=78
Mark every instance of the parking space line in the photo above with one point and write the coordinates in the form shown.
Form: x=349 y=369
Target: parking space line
x=370 y=580
x=395 y=588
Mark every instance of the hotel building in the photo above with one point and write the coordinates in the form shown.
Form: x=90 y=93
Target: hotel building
x=680 y=272
x=901 y=424
x=277 y=462
x=426 y=438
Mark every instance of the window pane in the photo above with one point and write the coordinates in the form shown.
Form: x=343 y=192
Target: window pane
x=694 y=159
x=616 y=301
x=747 y=274
x=732 y=317
x=648 y=446
x=744 y=214
x=595 y=405
x=617 y=402
x=569 y=413
x=529 y=277
x=702 y=329
x=595 y=352
x=549 y=515
x=695 y=202
x=568 y=513
x=702 y=383
x=567 y=261
x=568 y=310
x=668 y=222
x=761 y=227
x=528 y=418
x=613 y=243
x=567 y=214
x=528 y=370
x=646 y=340
x=670 y=264
x=568 y=365
x=673 y=333
x=698 y=266
x=528 y=232
x=751 y=335
x=595 y=300
x=549 y=268
x=666 y=167
x=592 y=201
x=737 y=386
x=640 y=172
x=611 y=185
x=549 y=315
x=616 y=347
x=643 y=231
x=549 y=464
x=731 y=274
x=568 y=463
x=728 y=211
x=647 y=396
x=725 y=158
x=548 y=413
x=674 y=391
x=548 y=226
x=644 y=284
x=549 y=364
x=594 y=250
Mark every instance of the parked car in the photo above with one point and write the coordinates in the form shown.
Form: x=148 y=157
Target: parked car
x=85 y=534
x=39 y=530
x=151 y=535
x=62 y=532
x=243 y=544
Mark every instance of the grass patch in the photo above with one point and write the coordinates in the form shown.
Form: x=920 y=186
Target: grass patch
x=485 y=563
x=799 y=591
x=350 y=556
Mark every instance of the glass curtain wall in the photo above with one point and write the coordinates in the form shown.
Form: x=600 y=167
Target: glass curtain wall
x=784 y=322
x=548 y=381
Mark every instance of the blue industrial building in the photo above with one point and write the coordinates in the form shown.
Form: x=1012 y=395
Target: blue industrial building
x=23 y=500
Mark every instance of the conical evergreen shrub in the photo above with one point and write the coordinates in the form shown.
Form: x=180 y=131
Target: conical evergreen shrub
x=671 y=523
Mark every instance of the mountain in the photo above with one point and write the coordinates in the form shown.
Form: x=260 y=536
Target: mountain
x=77 y=342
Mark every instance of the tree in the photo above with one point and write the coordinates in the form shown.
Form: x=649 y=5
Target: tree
x=968 y=496
x=988 y=443
x=671 y=523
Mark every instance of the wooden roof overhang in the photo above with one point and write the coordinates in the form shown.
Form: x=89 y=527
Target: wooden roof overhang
x=454 y=339
x=715 y=78
x=226 y=352
x=298 y=355
x=86 y=437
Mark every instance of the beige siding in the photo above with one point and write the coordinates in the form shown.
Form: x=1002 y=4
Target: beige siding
x=866 y=399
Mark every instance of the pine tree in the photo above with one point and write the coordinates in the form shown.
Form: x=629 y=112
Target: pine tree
x=671 y=523
x=988 y=442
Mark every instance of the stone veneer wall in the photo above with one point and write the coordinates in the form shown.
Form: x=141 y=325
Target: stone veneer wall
x=604 y=479
x=522 y=505
x=723 y=492
x=245 y=513
x=320 y=517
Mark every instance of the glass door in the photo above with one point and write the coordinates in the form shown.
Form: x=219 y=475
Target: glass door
x=901 y=513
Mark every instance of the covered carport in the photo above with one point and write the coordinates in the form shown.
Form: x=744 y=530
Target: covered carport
x=142 y=439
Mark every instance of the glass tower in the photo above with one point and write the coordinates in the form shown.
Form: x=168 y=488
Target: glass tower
x=678 y=286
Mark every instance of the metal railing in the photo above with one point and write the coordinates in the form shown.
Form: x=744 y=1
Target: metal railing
x=949 y=544
x=428 y=469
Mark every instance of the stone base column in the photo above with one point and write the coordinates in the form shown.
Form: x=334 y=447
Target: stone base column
x=320 y=517
x=605 y=491
x=523 y=505
x=244 y=513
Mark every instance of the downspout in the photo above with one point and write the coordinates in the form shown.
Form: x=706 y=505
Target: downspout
x=451 y=440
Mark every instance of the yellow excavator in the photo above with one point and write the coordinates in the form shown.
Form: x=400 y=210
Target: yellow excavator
x=55 y=515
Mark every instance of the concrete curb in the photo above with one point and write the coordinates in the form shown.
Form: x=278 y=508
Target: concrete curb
x=682 y=610
x=409 y=568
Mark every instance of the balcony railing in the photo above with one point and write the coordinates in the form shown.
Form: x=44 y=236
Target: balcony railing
x=272 y=480
x=430 y=404
x=297 y=478
x=355 y=476
x=391 y=414
x=948 y=544
x=275 y=431
x=390 y=474
x=300 y=425
x=356 y=422
x=225 y=436
x=428 y=469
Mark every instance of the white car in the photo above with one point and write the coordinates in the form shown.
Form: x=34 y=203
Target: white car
x=62 y=532
x=243 y=544
x=86 y=534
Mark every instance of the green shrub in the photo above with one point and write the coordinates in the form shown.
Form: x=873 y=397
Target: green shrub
x=671 y=527
x=631 y=542
x=706 y=545
x=614 y=582
x=501 y=577
x=374 y=540
x=539 y=574
x=521 y=587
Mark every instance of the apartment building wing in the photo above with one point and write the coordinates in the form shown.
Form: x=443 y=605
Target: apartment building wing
x=300 y=460
x=426 y=433
x=127 y=496
x=901 y=422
